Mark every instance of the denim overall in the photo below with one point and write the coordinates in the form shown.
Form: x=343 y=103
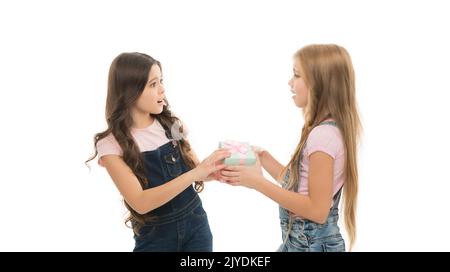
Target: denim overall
x=308 y=236
x=181 y=224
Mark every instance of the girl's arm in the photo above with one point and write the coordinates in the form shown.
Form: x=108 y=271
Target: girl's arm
x=212 y=176
x=314 y=206
x=144 y=201
x=271 y=165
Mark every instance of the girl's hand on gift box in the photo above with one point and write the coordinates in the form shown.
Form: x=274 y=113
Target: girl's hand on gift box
x=241 y=175
x=258 y=150
x=216 y=174
x=212 y=164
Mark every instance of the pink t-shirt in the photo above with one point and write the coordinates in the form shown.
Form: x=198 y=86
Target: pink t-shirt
x=147 y=139
x=327 y=139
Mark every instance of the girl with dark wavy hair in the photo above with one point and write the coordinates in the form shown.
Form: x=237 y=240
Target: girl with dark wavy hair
x=146 y=153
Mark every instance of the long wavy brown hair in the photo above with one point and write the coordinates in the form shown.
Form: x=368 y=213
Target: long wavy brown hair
x=127 y=78
x=329 y=75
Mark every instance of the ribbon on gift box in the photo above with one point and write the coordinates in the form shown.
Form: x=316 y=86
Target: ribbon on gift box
x=237 y=148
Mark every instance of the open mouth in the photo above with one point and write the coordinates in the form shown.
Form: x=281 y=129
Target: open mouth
x=161 y=102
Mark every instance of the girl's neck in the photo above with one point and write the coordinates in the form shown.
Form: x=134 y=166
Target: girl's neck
x=141 y=121
x=325 y=117
x=320 y=118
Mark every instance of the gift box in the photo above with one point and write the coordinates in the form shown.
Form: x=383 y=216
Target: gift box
x=241 y=153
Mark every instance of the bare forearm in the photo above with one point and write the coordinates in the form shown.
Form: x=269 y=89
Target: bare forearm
x=153 y=198
x=296 y=203
x=271 y=165
x=144 y=201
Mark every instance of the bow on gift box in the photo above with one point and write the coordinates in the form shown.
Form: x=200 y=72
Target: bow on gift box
x=237 y=148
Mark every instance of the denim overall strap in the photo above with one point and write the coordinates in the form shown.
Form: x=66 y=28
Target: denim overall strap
x=331 y=123
x=181 y=224
x=163 y=165
x=336 y=198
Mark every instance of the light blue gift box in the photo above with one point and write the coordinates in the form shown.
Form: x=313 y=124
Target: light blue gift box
x=238 y=156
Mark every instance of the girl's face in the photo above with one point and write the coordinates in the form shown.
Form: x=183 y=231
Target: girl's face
x=298 y=86
x=152 y=98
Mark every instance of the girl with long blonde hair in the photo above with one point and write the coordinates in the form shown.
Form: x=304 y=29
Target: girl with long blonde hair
x=324 y=164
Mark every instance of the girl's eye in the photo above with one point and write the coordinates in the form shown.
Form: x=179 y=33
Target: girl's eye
x=153 y=85
x=297 y=76
x=161 y=81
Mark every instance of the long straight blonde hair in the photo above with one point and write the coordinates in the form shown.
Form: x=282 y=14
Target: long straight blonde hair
x=329 y=75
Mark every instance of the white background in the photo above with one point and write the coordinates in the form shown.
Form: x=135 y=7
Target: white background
x=226 y=66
